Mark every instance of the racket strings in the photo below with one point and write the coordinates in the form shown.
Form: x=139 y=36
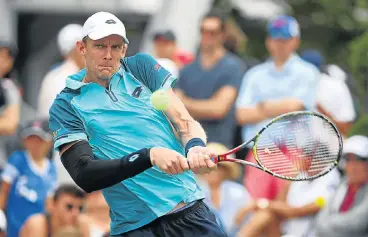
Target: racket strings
x=303 y=147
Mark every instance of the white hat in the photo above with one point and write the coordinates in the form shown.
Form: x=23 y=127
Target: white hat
x=357 y=145
x=68 y=37
x=102 y=24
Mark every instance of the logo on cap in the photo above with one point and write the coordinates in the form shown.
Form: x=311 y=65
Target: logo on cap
x=111 y=21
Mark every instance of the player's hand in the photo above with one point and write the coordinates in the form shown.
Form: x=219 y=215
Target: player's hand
x=169 y=161
x=199 y=159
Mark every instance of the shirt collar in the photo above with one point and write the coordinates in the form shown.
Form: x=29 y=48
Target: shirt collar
x=293 y=57
x=75 y=81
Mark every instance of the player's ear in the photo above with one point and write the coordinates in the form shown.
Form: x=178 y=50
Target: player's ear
x=81 y=47
x=124 y=49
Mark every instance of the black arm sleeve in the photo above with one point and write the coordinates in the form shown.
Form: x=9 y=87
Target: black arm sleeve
x=91 y=174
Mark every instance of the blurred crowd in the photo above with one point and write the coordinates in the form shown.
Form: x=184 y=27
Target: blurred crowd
x=232 y=98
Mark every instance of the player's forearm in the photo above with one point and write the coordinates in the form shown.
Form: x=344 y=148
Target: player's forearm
x=249 y=115
x=183 y=122
x=91 y=174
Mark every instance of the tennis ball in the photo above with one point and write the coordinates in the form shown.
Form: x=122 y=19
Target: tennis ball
x=160 y=100
x=321 y=202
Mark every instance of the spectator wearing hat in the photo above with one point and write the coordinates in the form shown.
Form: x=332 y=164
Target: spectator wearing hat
x=54 y=81
x=284 y=83
x=347 y=213
x=10 y=99
x=165 y=47
x=333 y=95
x=223 y=194
x=29 y=177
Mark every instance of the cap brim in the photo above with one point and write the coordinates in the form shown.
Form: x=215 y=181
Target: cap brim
x=106 y=31
x=36 y=132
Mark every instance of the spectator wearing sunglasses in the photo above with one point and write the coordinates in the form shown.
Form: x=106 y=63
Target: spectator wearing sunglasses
x=65 y=211
x=346 y=214
x=29 y=177
x=208 y=87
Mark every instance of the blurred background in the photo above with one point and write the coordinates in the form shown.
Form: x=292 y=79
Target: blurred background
x=334 y=40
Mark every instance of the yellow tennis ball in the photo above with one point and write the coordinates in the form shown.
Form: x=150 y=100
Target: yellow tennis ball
x=160 y=100
x=321 y=202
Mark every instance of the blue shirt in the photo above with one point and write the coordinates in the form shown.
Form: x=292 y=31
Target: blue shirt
x=201 y=84
x=297 y=79
x=121 y=120
x=30 y=186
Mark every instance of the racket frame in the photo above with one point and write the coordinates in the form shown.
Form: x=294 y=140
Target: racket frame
x=224 y=157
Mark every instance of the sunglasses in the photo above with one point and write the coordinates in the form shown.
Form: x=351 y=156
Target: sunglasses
x=210 y=32
x=70 y=207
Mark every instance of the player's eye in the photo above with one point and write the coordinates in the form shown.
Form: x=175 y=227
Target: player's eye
x=117 y=46
x=99 y=46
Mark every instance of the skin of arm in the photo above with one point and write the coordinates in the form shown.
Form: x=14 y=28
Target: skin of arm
x=214 y=108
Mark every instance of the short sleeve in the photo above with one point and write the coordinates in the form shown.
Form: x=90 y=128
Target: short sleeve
x=64 y=122
x=13 y=168
x=234 y=74
x=146 y=69
x=246 y=92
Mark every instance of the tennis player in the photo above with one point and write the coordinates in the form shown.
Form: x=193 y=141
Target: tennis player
x=111 y=138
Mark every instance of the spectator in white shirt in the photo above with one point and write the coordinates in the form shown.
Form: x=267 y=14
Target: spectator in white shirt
x=333 y=95
x=54 y=81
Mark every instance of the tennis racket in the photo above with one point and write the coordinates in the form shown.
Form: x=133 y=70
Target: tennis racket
x=294 y=146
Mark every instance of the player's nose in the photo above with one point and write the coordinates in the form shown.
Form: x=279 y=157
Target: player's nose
x=108 y=55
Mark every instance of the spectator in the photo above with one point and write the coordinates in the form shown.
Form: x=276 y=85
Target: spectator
x=10 y=100
x=97 y=214
x=54 y=81
x=285 y=83
x=208 y=87
x=223 y=194
x=294 y=210
x=65 y=212
x=29 y=178
x=333 y=95
x=347 y=213
x=165 y=48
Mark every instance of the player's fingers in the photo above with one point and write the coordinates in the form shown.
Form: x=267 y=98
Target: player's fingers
x=184 y=164
x=195 y=168
x=201 y=160
x=172 y=167
x=166 y=169
x=177 y=164
x=210 y=164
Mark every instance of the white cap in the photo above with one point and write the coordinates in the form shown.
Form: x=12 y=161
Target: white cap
x=102 y=24
x=357 y=145
x=68 y=37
